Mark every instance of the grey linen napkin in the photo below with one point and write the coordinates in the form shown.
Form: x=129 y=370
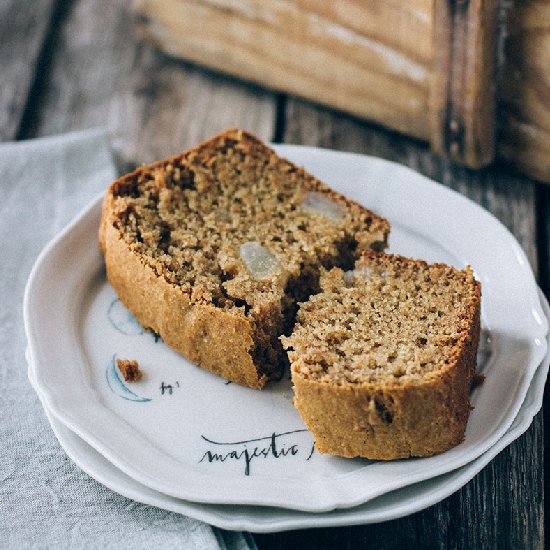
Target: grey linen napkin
x=45 y=500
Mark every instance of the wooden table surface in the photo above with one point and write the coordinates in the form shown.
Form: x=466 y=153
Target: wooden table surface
x=75 y=64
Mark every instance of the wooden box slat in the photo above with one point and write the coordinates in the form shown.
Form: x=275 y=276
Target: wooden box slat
x=426 y=68
x=524 y=128
x=303 y=48
x=462 y=107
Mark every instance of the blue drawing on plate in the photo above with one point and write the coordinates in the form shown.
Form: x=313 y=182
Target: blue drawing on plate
x=117 y=385
x=122 y=320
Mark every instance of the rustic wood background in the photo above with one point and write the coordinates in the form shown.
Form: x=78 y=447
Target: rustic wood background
x=74 y=64
x=470 y=77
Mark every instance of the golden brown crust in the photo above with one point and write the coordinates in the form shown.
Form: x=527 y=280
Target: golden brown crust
x=395 y=417
x=234 y=341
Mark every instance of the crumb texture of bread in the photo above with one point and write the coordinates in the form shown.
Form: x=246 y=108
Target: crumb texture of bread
x=383 y=358
x=129 y=368
x=214 y=248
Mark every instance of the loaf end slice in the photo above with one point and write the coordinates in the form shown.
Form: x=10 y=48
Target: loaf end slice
x=382 y=359
x=213 y=249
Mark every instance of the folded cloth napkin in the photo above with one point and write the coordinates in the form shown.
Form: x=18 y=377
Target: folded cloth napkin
x=45 y=500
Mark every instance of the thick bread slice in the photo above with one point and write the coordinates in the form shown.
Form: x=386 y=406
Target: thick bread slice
x=383 y=358
x=213 y=248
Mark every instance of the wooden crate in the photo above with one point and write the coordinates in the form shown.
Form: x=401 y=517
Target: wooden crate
x=469 y=76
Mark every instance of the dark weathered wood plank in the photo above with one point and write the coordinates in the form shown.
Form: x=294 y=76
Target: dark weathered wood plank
x=101 y=74
x=502 y=507
x=23 y=30
x=543 y=204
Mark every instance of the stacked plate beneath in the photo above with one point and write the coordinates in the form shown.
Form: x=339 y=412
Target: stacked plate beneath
x=186 y=440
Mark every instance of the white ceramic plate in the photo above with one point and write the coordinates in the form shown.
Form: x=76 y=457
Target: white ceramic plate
x=261 y=519
x=186 y=433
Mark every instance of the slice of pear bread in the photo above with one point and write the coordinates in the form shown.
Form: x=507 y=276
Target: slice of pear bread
x=382 y=359
x=213 y=249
